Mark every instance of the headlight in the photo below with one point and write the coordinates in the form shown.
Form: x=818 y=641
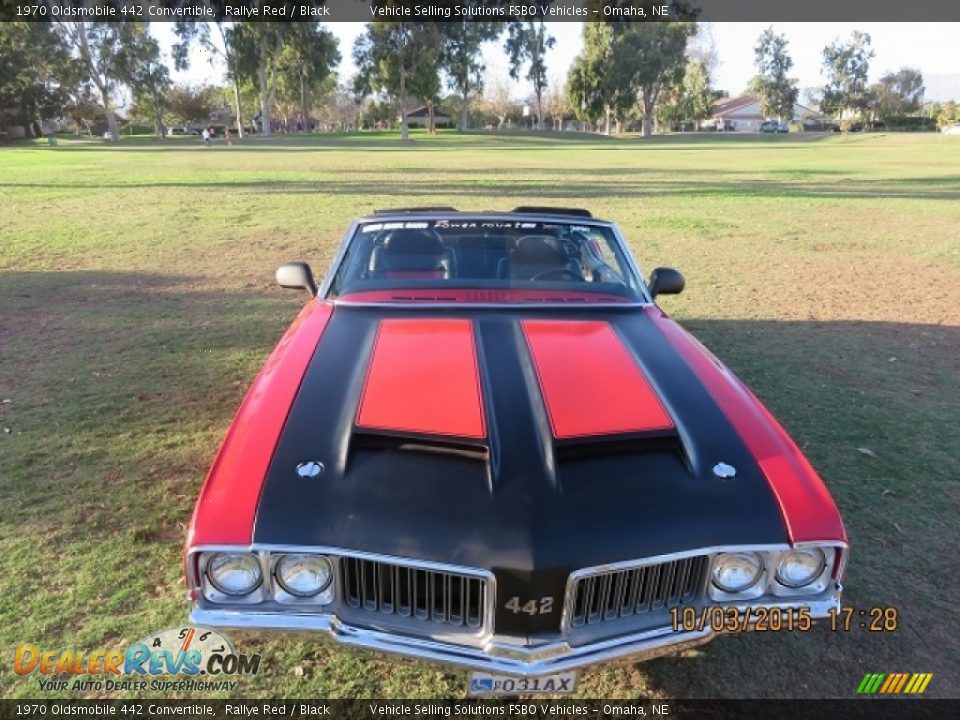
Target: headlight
x=736 y=572
x=304 y=575
x=234 y=573
x=800 y=567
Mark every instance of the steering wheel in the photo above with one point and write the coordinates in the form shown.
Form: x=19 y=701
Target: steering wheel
x=557 y=271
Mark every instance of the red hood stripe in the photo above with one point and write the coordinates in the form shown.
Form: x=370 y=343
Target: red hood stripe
x=227 y=506
x=806 y=505
x=590 y=383
x=424 y=378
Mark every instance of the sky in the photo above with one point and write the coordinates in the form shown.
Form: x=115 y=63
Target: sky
x=933 y=48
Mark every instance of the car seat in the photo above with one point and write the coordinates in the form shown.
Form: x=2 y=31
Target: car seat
x=536 y=255
x=411 y=254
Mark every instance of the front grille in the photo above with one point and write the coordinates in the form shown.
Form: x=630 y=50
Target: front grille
x=625 y=593
x=402 y=591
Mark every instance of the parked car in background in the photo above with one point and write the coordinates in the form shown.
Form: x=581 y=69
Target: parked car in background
x=483 y=443
x=952 y=129
x=772 y=126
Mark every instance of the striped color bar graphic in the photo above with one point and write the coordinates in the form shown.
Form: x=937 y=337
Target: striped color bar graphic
x=894 y=683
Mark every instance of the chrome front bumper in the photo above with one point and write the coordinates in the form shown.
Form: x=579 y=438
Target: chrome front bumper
x=492 y=656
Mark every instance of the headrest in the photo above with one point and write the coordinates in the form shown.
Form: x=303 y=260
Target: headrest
x=538 y=250
x=413 y=242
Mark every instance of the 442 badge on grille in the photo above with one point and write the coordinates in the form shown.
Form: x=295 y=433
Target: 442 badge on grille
x=486 y=684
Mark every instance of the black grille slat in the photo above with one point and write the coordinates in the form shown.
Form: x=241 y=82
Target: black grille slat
x=624 y=593
x=475 y=601
x=410 y=592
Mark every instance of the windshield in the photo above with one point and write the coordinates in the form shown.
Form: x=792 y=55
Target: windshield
x=484 y=260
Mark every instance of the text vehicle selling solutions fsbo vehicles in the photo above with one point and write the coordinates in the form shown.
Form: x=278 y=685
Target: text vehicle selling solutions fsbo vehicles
x=482 y=443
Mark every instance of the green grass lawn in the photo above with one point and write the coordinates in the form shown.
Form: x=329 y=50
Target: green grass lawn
x=137 y=303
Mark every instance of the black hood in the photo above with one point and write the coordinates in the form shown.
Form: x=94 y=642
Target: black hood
x=519 y=503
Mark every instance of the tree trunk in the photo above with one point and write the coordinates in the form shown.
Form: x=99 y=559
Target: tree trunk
x=539 y=107
x=465 y=107
x=304 y=110
x=102 y=83
x=606 y=119
x=234 y=75
x=404 y=130
x=537 y=85
x=431 y=121
x=236 y=107
x=111 y=118
x=265 y=129
x=648 y=102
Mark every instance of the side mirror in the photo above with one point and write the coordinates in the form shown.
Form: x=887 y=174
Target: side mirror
x=296 y=276
x=665 y=281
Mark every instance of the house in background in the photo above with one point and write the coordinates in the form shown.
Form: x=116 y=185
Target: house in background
x=744 y=113
x=421 y=118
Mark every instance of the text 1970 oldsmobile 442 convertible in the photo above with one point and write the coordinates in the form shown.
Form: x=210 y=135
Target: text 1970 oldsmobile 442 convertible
x=482 y=443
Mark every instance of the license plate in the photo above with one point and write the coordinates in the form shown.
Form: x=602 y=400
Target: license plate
x=487 y=684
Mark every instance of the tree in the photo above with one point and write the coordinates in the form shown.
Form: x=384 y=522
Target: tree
x=337 y=108
x=949 y=113
x=259 y=47
x=35 y=70
x=147 y=75
x=778 y=92
x=495 y=102
x=899 y=93
x=461 y=58
x=107 y=53
x=378 y=115
x=191 y=104
x=309 y=54
x=650 y=56
x=199 y=32
x=591 y=85
x=527 y=43
x=846 y=66
x=83 y=109
x=702 y=48
x=690 y=101
x=398 y=59
x=424 y=83
x=556 y=105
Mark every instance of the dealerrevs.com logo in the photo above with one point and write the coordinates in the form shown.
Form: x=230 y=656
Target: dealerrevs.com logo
x=200 y=659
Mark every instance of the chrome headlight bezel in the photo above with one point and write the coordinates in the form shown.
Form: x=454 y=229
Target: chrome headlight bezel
x=283 y=592
x=269 y=594
x=812 y=553
x=769 y=585
x=217 y=585
x=819 y=583
x=751 y=589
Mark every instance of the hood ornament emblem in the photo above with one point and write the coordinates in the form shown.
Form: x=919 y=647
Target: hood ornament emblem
x=722 y=470
x=310 y=469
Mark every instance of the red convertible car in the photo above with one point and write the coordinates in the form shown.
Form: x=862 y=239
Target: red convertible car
x=483 y=443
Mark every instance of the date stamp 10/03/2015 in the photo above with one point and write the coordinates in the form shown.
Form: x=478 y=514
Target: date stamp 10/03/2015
x=845 y=618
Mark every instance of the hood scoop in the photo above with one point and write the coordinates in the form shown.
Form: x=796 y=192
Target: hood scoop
x=362 y=441
x=663 y=441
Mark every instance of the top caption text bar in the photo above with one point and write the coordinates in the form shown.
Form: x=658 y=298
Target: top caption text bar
x=482 y=10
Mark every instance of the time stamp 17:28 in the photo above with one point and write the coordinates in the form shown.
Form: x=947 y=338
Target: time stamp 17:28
x=775 y=619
